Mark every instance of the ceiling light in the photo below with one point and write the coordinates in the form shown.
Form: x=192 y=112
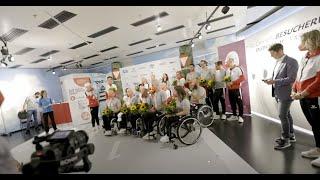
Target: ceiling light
x=49 y=58
x=200 y=36
x=64 y=68
x=225 y=9
x=159 y=28
x=208 y=27
x=53 y=72
x=11 y=58
x=3 y=64
x=192 y=45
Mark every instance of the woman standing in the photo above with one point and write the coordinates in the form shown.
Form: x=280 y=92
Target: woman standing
x=165 y=78
x=306 y=88
x=46 y=104
x=93 y=104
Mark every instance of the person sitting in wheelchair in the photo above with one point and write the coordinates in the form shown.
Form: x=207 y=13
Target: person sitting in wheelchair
x=129 y=100
x=114 y=104
x=158 y=98
x=183 y=109
x=197 y=94
x=149 y=116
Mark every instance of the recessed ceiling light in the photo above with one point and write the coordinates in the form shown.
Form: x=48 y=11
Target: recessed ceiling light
x=159 y=28
x=53 y=72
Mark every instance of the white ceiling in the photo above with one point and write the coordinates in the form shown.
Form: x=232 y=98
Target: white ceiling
x=95 y=18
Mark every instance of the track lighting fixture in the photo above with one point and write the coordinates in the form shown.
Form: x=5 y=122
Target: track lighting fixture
x=192 y=45
x=10 y=58
x=159 y=28
x=53 y=72
x=49 y=58
x=200 y=36
x=208 y=27
x=4 y=64
x=64 y=68
x=225 y=9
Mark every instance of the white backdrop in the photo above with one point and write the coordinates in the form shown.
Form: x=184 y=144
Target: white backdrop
x=131 y=76
x=260 y=64
x=74 y=92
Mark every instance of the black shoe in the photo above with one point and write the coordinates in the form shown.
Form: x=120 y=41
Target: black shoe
x=292 y=139
x=282 y=144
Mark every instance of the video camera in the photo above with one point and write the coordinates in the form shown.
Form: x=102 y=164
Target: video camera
x=64 y=151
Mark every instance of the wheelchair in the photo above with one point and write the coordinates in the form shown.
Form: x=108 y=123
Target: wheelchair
x=187 y=130
x=140 y=126
x=204 y=113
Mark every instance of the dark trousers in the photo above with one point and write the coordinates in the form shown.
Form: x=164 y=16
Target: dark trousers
x=132 y=119
x=168 y=124
x=94 y=115
x=107 y=121
x=286 y=118
x=46 y=123
x=235 y=99
x=148 y=119
x=209 y=99
x=218 y=95
x=310 y=108
x=123 y=122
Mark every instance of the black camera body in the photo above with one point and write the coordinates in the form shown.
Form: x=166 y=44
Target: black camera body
x=64 y=151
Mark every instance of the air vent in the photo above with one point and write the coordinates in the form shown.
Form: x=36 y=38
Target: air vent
x=135 y=53
x=216 y=19
x=151 y=47
x=49 y=53
x=16 y=66
x=91 y=56
x=66 y=62
x=216 y=30
x=39 y=60
x=13 y=34
x=24 y=50
x=61 y=17
x=184 y=40
x=102 y=32
x=142 y=41
x=64 y=16
x=111 y=58
x=169 y=30
x=96 y=63
x=108 y=49
x=149 y=19
x=80 y=45
x=162 y=44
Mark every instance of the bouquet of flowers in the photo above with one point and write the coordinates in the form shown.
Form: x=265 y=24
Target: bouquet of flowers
x=174 y=83
x=134 y=109
x=107 y=112
x=227 y=79
x=203 y=83
x=171 y=106
x=211 y=83
x=124 y=109
x=137 y=88
x=144 y=107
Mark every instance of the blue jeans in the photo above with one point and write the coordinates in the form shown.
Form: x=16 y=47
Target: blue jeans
x=285 y=118
x=35 y=118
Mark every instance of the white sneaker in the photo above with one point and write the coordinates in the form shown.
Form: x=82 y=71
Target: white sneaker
x=316 y=162
x=146 y=137
x=312 y=153
x=122 y=131
x=223 y=117
x=108 y=133
x=232 y=118
x=154 y=132
x=216 y=116
x=164 y=139
x=240 y=120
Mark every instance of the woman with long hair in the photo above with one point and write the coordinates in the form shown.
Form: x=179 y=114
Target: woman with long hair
x=45 y=103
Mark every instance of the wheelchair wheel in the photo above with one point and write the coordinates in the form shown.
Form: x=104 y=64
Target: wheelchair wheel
x=161 y=126
x=205 y=116
x=189 y=131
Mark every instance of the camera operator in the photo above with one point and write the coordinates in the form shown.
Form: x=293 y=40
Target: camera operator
x=8 y=165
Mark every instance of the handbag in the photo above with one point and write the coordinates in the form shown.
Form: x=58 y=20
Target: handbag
x=22 y=114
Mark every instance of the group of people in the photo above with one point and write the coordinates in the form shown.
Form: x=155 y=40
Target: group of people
x=42 y=104
x=292 y=81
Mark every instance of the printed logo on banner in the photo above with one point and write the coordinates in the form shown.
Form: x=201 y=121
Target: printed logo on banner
x=124 y=71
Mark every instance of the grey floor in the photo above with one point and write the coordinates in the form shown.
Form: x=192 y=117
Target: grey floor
x=128 y=154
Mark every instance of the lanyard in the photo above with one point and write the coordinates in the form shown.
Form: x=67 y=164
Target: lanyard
x=304 y=65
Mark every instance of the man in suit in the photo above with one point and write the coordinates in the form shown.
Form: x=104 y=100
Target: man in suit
x=283 y=76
